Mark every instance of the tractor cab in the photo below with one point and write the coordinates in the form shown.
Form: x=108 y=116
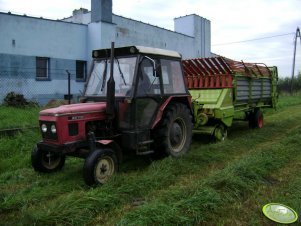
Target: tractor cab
x=145 y=78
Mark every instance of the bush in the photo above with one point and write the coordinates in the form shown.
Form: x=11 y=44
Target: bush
x=284 y=84
x=17 y=100
x=55 y=103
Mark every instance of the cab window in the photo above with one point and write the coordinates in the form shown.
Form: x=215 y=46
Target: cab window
x=172 y=77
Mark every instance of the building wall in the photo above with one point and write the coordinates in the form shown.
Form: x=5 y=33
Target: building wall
x=40 y=37
x=25 y=38
x=79 y=17
x=199 y=28
x=192 y=35
x=18 y=74
x=131 y=32
x=63 y=42
x=202 y=37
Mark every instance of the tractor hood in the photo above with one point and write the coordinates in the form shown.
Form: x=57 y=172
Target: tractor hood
x=72 y=109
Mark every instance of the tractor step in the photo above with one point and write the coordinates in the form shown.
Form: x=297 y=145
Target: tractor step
x=144 y=152
x=144 y=148
x=145 y=142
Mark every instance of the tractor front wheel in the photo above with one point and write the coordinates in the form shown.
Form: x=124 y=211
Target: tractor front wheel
x=46 y=161
x=99 y=166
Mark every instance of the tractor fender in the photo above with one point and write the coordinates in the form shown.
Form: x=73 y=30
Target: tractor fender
x=182 y=99
x=114 y=146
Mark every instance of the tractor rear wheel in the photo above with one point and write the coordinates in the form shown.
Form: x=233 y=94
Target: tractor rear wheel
x=45 y=161
x=99 y=166
x=173 y=136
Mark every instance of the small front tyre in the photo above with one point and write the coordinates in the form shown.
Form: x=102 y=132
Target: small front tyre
x=46 y=161
x=99 y=166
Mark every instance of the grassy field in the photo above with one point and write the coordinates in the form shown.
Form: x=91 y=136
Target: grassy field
x=215 y=184
x=11 y=117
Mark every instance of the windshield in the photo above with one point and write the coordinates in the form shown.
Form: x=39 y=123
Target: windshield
x=124 y=69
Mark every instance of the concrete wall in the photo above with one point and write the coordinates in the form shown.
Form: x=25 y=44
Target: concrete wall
x=101 y=10
x=131 y=32
x=199 y=28
x=202 y=37
x=185 y=25
x=23 y=38
x=126 y=31
x=79 y=16
x=40 y=37
x=192 y=35
x=18 y=74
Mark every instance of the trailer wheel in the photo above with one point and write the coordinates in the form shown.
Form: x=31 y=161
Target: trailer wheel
x=220 y=133
x=256 y=119
x=173 y=136
x=47 y=162
x=99 y=166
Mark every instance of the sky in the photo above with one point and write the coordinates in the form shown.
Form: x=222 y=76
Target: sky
x=259 y=31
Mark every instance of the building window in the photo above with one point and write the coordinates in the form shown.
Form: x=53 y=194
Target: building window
x=42 y=68
x=81 y=70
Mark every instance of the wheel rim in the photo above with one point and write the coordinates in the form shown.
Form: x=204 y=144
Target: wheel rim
x=260 y=121
x=177 y=135
x=104 y=169
x=220 y=133
x=50 y=160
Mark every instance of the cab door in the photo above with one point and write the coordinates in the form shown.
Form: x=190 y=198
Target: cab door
x=148 y=94
x=142 y=107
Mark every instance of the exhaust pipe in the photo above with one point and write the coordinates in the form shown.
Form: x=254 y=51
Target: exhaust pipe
x=110 y=109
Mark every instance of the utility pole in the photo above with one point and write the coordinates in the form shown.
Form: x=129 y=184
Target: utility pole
x=294 y=57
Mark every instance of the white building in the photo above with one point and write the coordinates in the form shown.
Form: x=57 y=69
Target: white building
x=35 y=52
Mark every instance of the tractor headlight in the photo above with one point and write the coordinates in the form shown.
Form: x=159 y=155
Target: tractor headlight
x=53 y=129
x=44 y=128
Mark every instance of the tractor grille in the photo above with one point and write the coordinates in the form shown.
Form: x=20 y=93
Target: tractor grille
x=48 y=134
x=73 y=129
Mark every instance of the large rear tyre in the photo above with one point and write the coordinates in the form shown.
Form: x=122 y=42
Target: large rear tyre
x=45 y=161
x=99 y=166
x=256 y=119
x=173 y=136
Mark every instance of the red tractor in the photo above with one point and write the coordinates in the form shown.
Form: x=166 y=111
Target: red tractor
x=135 y=100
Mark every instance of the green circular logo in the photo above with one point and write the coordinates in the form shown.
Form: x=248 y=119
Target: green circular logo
x=280 y=213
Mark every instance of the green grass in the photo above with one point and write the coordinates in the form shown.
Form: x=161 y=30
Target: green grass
x=12 y=117
x=289 y=100
x=282 y=186
x=214 y=184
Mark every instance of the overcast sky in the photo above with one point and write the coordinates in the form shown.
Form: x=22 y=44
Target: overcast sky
x=232 y=22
